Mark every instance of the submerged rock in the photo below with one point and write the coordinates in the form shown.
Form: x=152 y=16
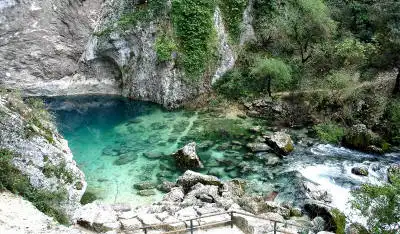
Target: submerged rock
x=361 y=171
x=144 y=185
x=281 y=142
x=153 y=155
x=258 y=147
x=146 y=192
x=187 y=158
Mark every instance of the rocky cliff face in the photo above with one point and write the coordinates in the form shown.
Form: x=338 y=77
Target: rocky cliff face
x=59 y=48
x=40 y=46
x=40 y=153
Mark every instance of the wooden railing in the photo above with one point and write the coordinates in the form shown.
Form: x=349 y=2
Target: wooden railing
x=191 y=227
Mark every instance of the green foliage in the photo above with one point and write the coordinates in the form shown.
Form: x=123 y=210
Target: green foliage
x=381 y=204
x=88 y=197
x=352 y=52
x=165 y=46
x=274 y=69
x=193 y=23
x=294 y=27
x=393 y=116
x=233 y=85
x=142 y=13
x=59 y=171
x=12 y=180
x=339 y=80
x=232 y=11
x=340 y=221
x=329 y=132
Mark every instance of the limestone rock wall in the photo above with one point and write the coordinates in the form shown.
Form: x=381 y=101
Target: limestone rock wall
x=41 y=153
x=51 y=47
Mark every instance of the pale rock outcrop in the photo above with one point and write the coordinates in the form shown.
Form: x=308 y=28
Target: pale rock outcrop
x=190 y=178
x=97 y=217
x=41 y=43
x=281 y=142
x=20 y=216
x=40 y=151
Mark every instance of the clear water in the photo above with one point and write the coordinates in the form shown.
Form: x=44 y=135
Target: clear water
x=110 y=138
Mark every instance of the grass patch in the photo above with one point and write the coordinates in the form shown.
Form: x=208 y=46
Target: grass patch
x=11 y=179
x=329 y=132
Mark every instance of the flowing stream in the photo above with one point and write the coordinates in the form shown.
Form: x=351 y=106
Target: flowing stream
x=119 y=143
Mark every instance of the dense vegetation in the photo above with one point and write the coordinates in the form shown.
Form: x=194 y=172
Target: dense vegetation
x=327 y=55
x=382 y=204
x=331 y=51
x=194 y=27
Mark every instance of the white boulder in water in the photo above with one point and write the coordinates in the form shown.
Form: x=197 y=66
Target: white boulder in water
x=187 y=158
x=281 y=142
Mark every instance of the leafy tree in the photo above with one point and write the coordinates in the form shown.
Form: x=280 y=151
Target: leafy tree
x=386 y=17
x=297 y=25
x=272 y=69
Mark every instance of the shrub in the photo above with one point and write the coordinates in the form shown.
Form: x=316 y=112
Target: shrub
x=276 y=70
x=233 y=85
x=381 y=205
x=339 y=80
x=329 y=132
x=165 y=46
x=45 y=201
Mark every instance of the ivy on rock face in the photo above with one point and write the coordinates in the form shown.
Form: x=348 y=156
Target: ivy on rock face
x=194 y=27
x=232 y=11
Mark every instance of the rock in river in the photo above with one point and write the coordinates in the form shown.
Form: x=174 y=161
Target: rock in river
x=361 y=171
x=281 y=142
x=186 y=158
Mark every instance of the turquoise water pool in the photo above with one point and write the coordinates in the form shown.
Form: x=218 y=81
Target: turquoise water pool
x=118 y=143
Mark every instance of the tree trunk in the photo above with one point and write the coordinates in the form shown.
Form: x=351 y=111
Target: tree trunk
x=396 y=90
x=269 y=86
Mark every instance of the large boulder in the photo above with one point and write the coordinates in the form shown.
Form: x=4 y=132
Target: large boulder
x=97 y=217
x=393 y=173
x=187 y=158
x=190 y=178
x=316 y=192
x=281 y=142
x=334 y=219
x=359 y=137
